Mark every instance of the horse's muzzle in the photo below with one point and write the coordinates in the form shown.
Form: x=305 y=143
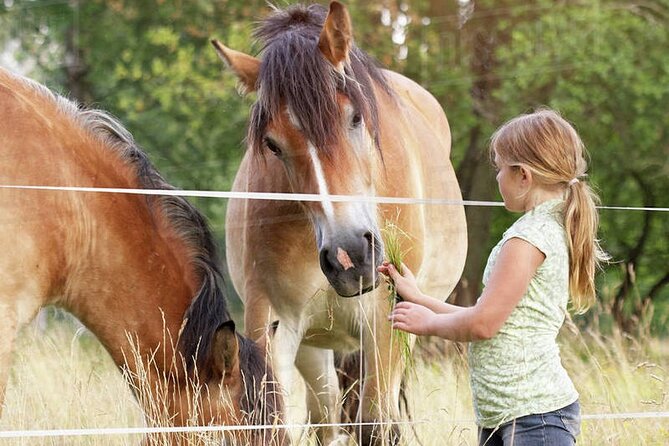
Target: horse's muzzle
x=350 y=265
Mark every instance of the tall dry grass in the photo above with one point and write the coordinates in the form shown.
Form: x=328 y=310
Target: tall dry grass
x=63 y=378
x=613 y=374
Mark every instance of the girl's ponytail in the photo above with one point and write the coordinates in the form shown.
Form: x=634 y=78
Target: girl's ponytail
x=581 y=220
x=551 y=149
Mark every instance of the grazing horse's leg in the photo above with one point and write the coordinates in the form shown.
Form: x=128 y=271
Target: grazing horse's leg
x=317 y=367
x=8 y=329
x=384 y=367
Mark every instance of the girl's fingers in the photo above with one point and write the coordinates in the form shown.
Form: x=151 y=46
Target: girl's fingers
x=402 y=305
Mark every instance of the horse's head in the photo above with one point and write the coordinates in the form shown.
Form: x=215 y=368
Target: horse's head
x=316 y=117
x=234 y=386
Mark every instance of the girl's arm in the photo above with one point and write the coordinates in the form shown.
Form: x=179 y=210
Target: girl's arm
x=516 y=264
x=407 y=288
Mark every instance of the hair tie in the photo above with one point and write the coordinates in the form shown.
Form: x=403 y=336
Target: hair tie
x=573 y=181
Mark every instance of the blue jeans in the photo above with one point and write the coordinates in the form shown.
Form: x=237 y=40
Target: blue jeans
x=557 y=428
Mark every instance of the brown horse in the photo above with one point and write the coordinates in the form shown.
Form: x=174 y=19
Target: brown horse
x=327 y=121
x=138 y=271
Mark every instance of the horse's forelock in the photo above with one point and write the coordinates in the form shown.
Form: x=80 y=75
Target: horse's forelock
x=295 y=74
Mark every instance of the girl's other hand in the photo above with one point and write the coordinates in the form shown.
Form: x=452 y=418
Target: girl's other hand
x=405 y=283
x=412 y=318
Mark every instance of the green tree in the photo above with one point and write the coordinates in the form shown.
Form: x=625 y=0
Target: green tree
x=601 y=63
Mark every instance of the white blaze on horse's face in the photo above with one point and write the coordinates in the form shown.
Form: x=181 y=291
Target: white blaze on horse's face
x=347 y=233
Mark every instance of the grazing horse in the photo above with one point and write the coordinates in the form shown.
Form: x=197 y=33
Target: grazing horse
x=141 y=272
x=327 y=121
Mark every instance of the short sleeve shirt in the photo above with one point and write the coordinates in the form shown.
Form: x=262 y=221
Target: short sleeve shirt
x=519 y=372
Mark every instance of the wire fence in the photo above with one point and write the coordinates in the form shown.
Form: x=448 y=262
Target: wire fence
x=43 y=433
x=274 y=196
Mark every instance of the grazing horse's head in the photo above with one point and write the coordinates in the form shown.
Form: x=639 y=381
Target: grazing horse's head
x=234 y=386
x=316 y=116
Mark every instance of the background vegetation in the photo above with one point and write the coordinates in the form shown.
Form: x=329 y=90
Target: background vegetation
x=62 y=379
x=602 y=63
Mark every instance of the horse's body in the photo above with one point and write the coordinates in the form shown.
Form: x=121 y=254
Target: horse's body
x=140 y=272
x=331 y=123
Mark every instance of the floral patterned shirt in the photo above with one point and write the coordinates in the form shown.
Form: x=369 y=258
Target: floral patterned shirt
x=518 y=372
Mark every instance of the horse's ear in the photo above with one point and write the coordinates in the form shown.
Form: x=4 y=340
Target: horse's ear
x=225 y=349
x=336 y=36
x=245 y=67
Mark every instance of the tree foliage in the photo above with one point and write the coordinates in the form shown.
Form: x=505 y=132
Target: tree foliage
x=602 y=63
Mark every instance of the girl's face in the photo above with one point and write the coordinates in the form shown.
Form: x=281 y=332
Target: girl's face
x=511 y=187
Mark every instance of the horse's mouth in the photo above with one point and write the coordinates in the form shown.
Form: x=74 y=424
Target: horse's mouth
x=348 y=292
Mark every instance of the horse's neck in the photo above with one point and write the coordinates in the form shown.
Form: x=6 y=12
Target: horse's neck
x=128 y=278
x=106 y=257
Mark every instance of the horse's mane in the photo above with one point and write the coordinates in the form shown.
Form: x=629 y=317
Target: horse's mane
x=294 y=73
x=208 y=309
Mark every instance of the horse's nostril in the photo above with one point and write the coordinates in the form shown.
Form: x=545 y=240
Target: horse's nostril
x=370 y=239
x=326 y=264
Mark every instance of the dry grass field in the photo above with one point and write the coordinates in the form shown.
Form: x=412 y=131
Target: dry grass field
x=63 y=379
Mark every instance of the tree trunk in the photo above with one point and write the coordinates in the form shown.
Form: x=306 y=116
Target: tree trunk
x=474 y=172
x=629 y=320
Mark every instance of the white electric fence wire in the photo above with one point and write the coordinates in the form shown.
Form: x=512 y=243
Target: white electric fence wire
x=177 y=429
x=292 y=196
x=201 y=429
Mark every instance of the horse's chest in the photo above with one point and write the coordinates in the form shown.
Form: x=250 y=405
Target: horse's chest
x=332 y=322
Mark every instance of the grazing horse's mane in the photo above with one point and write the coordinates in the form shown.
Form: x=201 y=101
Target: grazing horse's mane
x=208 y=309
x=295 y=74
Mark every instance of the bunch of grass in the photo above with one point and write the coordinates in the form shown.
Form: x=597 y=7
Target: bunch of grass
x=393 y=237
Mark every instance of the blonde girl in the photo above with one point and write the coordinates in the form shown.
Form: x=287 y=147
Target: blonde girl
x=522 y=395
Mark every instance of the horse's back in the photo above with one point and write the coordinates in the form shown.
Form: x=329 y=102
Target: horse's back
x=426 y=135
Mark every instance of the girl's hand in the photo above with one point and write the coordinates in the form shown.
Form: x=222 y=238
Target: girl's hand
x=405 y=283
x=412 y=318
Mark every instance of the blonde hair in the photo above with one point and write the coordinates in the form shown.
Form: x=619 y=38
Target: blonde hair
x=549 y=147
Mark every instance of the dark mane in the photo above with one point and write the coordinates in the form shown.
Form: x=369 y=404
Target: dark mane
x=262 y=400
x=294 y=73
x=208 y=309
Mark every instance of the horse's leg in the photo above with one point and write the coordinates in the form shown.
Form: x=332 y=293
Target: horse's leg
x=384 y=368
x=8 y=329
x=257 y=315
x=283 y=349
x=317 y=367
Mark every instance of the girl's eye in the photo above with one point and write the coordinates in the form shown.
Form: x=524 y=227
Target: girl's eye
x=272 y=146
x=356 y=120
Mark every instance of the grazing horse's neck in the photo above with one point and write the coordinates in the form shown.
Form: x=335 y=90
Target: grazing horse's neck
x=133 y=279
x=116 y=261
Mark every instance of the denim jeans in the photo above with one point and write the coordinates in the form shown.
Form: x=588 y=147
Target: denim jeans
x=557 y=428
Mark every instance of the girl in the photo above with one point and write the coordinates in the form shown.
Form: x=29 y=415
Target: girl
x=522 y=394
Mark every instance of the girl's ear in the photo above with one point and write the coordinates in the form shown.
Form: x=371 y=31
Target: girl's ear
x=525 y=175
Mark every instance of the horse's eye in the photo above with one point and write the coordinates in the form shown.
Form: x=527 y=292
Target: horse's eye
x=356 y=120
x=272 y=146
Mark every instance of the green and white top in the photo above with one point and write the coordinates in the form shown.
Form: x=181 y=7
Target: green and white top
x=518 y=372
